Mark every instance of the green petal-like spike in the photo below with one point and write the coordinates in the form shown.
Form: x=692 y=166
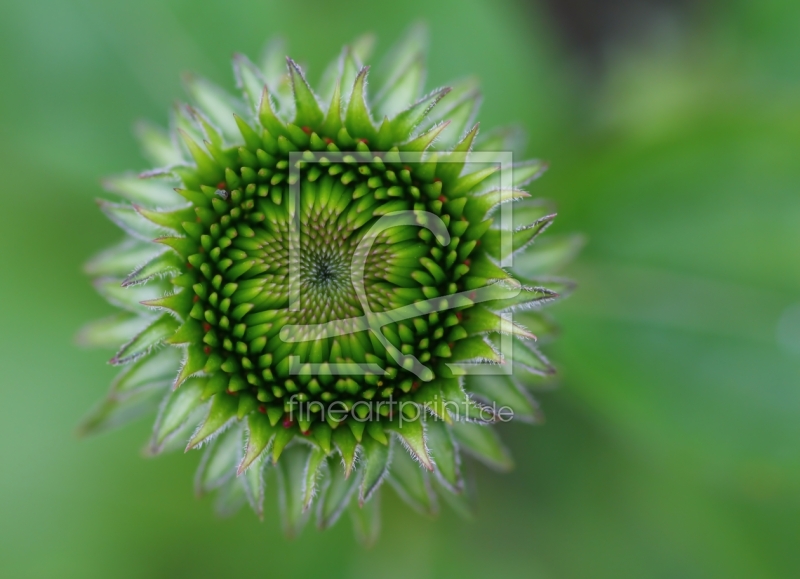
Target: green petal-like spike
x=347 y=445
x=363 y=46
x=219 y=461
x=175 y=411
x=482 y=321
x=551 y=255
x=403 y=125
x=411 y=433
x=230 y=498
x=266 y=114
x=377 y=466
x=375 y=430
x=539 y=323
x=154 y=370
x=334 y=498
x=207 y=168
x=157 y=145
x=461 y=116
x=500 y=141
x=210 y=133
x=322 y=434
x=215 y=102
x=479 y=207
x=450 y=166
x=520 y=238
x=366 y=521
x=463 y=503
x=349 y=68
x=254 y=485
x=146 y=340
x=404 y=88
x=411 y=46
x=259 y=434
x=444 y=454
x=179 y=303
x=333 y=119
x=316 y=459
x=283 y=436
x=457 y=400
x=114 y=412
x=529 y=357
x=412 y=484
x=130 y=298
x=182 y=245
x=137 y=189
x=425 y=140
x=193 y=363
x=112 y=331
x=291 y=474
x=222 y=412
x=307 y=110
x=527 y=171
x=129 y=220
x=358 y=121
x=121 y=259
x=474 y=348
x=470 y=181
x=531 y=295
x=190 y=332
x=273 y=66
x=482 y=442
x=273 y=60
x=398 y=207
x=163 y=264
x=503 y=392
x=249 y=80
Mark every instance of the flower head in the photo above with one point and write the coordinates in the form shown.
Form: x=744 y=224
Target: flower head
x=318 y=285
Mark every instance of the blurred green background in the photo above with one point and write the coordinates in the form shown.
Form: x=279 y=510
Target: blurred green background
x=672 y=447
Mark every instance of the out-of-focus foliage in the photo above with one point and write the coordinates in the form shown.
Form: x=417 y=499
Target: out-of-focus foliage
x=671 y=448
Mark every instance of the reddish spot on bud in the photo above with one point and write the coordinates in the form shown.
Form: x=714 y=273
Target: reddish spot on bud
x=196 y=299
x=197 y=220
x=477 y=242
x=437 y=180
x=442 y=198
x=189 y=266
x=467 y=262
x=415 y=386
x=231 y=392
x=306 y=432
x=407 y=168
x=460 y=316
x=206 y=326
x=472 y=295
x=262 y=409
x=287 y=422
x=207 y=349
x=222 y=185
x=306 y=130
x=365 y=141
x=327 y=141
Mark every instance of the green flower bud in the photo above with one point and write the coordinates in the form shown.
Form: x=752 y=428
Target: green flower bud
x=315 y=278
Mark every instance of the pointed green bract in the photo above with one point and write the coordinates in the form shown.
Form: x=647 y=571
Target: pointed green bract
x=335 y=497
x=310 y=282
x=376 y=456
x=291 y=472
